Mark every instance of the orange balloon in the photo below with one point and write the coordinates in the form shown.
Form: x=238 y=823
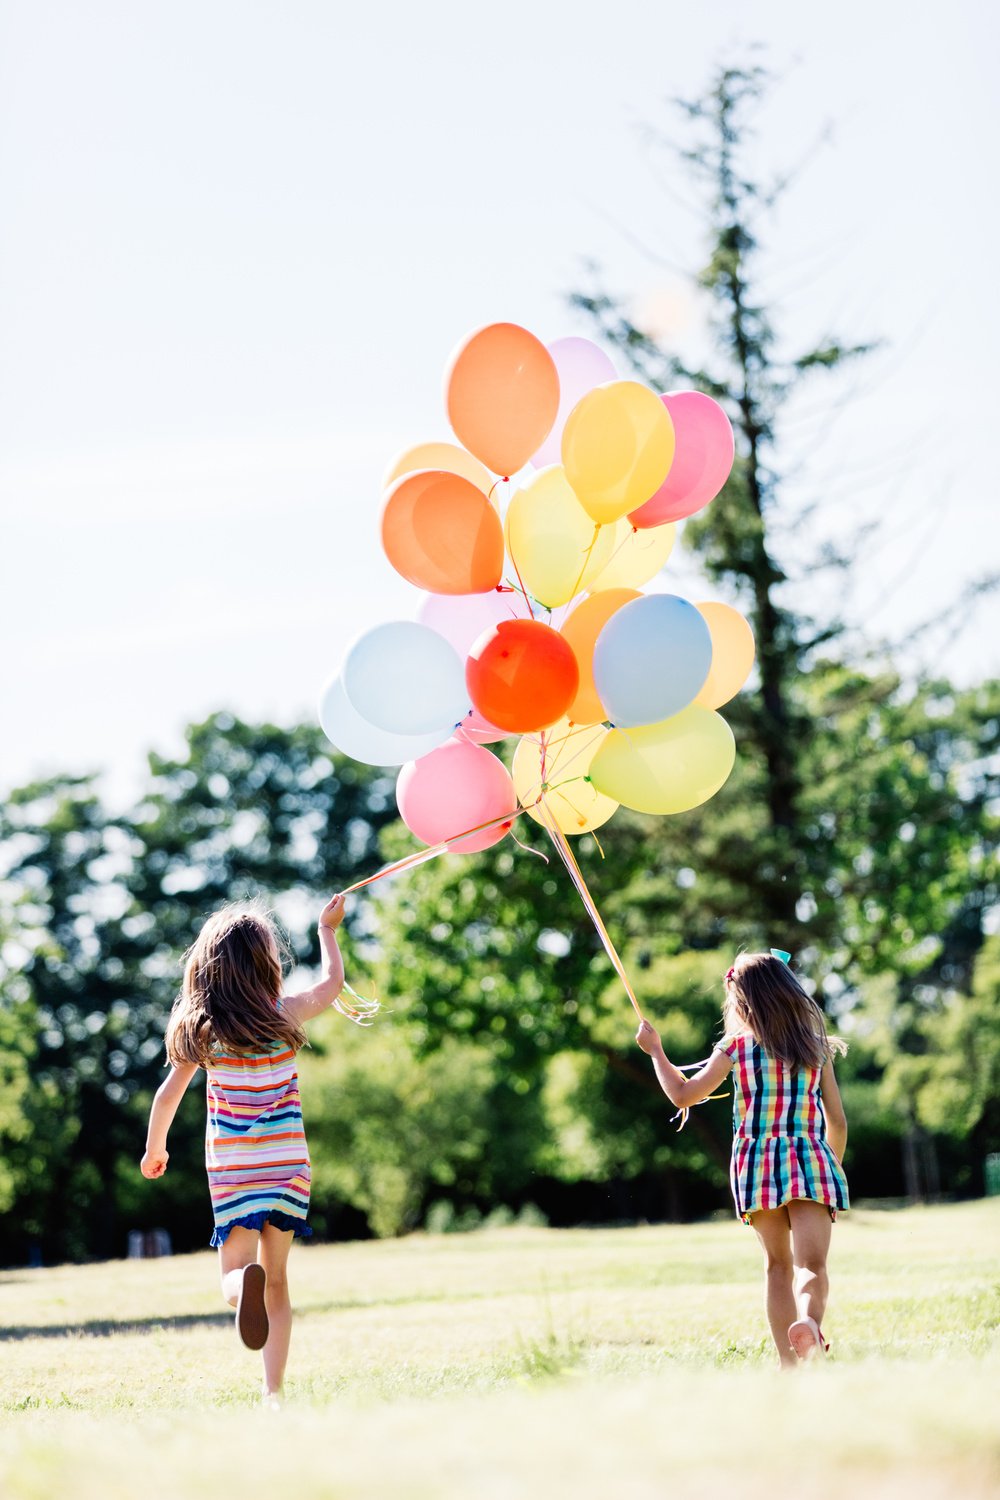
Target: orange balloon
x=440 y=456
x=501 y=389
x=581 y=629
x=521 y=675
x=442 y=533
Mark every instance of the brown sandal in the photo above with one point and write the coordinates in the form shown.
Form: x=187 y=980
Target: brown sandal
x=251 y=1313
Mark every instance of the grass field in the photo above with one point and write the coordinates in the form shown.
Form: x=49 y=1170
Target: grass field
x=624 y=1364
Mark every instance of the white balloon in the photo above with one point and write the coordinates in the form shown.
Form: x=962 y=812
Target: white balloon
x=405 y=678
x=354 y=736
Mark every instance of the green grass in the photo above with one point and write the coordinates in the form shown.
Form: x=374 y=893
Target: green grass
x=518 y=1362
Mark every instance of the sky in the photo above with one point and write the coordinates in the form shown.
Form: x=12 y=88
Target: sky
x=239 y=240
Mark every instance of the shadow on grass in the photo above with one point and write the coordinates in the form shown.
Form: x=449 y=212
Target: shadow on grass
x=102 y=1328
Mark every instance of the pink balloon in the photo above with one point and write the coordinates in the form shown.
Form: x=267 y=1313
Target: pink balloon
x=462 y=618
x=703 y=459
x=479 y=730
x=455 y=787
x=581 y=365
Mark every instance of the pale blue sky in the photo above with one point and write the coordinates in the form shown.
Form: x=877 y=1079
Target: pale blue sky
x=240 y=239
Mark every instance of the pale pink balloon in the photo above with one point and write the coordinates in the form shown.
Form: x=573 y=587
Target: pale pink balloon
x=479 y=730
x=581 y=365
x=703 y=458
x=462 y=618
x=455 y=787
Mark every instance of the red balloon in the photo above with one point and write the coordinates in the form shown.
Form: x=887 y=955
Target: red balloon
x=522 y=675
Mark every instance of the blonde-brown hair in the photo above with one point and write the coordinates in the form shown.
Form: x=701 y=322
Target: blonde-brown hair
x=232 y=982
x=764 y=996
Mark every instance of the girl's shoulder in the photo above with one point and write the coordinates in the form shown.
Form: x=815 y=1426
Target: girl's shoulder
x=735 y=1043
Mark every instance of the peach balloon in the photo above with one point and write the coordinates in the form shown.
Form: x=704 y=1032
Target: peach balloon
x=522 y=675
x=501 y=391
x=447 y=456
x=581 y=630
x=733 y=651
x=441 y=533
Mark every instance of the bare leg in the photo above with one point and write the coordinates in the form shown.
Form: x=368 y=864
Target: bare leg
x=273 y=1255
x=773 y=1230
x=811 y=1228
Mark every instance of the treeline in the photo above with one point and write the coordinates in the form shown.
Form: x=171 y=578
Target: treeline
x=501 y=1072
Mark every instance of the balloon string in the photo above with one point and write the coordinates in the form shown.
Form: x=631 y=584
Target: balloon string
x=623 y=543
x=586 y=560
x=524 y=591
x=576 y=875
x=421 y=856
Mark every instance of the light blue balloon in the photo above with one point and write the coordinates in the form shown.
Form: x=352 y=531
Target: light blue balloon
x=405 y=678
x=354 y=736
x=651 y=659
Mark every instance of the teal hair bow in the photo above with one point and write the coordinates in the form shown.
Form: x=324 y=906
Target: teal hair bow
x=786 y=958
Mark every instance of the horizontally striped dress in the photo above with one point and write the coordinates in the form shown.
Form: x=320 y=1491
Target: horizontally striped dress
x=780 y=1150
x=255 y=1144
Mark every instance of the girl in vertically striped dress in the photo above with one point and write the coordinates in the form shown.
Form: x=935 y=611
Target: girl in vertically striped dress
x=789 y=1134
x=231 y=1019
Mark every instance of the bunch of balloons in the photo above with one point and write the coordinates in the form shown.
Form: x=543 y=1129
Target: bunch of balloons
x=533 y=622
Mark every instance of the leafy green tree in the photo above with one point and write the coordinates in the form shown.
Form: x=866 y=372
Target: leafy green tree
x=103 y=908
x=848 y=832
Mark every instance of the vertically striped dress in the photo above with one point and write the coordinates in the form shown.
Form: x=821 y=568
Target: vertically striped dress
x=255 y=1144
x=780 y=1150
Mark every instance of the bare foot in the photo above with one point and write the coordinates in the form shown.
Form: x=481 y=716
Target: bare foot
x=806 y=1338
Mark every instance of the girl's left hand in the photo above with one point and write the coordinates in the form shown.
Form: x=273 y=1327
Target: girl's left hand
x=333 y=913
x=648 y=1038
x=154 y=1163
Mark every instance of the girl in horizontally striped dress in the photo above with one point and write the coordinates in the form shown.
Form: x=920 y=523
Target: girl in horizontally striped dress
x=231 y=1019
x=789 y=1134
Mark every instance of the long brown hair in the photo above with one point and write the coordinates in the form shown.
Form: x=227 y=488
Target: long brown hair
x=232 y=982
x=764 y=996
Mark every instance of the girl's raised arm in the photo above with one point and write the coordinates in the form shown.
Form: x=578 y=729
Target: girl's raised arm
x=309 y=1003
x=161 y=1117
x=681 y=1091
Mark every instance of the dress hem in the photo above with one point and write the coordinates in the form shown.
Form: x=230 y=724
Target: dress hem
x=256 y=1221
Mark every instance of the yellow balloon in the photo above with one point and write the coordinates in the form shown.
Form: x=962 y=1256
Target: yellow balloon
x=617 y=448
x=555 y=546
x=732 y=654
x=636 y=556
x=581 y=628
x=668 y=767
x=573 y=803
x=447 y=456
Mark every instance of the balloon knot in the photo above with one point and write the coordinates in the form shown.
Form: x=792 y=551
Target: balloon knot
x=588 y=778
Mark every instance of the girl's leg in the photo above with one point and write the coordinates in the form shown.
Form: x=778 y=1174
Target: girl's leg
x=238 y=1250
x=273 y=1254
x=811 y=1227
x=773 y=1230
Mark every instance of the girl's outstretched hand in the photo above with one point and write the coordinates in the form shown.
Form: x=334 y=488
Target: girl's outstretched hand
x=648 y=1038
x=333 y=913
x=154 y=1163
